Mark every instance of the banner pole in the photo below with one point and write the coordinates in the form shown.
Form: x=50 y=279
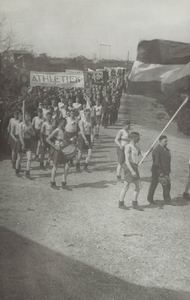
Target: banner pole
x=23 y=111
x=184 y=102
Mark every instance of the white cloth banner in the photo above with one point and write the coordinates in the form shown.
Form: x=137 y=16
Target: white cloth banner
x=74 y=71
x=60 y=79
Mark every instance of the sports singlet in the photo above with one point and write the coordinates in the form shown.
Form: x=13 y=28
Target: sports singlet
x=71 y=125
x=98 y=110
x=124 y=137
x=134 y=154
x=86 y=127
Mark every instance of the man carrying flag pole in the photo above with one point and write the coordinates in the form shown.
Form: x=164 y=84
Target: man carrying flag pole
x=161 y=67
x=148 y=152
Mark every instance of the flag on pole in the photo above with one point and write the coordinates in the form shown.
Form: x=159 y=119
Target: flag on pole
x=161 y=67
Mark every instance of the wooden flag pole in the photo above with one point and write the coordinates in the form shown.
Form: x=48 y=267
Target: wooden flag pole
x=184 y=102
x=23 y=111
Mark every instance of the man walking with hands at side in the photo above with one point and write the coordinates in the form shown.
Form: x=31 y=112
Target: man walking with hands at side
x=121 y=141
x=161 y=169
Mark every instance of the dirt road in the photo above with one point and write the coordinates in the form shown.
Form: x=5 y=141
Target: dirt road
x=77 y=245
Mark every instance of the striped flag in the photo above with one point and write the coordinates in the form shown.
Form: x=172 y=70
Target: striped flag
x=161 y=67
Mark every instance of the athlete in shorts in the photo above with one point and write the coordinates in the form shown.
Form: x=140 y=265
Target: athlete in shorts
x=37 y=124
x=71 y=128
x=99 y=113
x=26 y=131
x=85 y=140
x=46 y=129
x=121 y=140
x=12 y=140
x=131 y=173
x=59 y=137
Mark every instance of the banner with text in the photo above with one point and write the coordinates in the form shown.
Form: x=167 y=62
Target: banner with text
x=59 y=79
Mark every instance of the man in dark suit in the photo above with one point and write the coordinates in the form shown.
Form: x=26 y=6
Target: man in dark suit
x=161 y=169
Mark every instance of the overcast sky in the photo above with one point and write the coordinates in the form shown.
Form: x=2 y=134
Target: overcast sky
x=78 y=27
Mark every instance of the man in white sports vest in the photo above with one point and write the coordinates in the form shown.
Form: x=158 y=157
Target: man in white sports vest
x=121 y=141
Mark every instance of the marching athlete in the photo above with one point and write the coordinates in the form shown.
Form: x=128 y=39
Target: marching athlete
x=37 y=124
x=60 y=141
x=131 y=173
x=85 y=140
x=71 y=128
x=13 y=124
x=121 y=141
x=26 y=132
x=46 y=130
x=98 y=113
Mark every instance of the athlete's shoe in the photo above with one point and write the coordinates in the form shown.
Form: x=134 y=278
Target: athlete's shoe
x=135 y=206
x=54 y=186
x=121 y=205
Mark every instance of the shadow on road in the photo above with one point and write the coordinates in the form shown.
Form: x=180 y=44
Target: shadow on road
x=98 y=184
x=31 y=271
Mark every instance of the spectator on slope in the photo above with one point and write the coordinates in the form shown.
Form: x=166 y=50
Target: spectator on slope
x=115 y=111
x=105 y=103
x=121 y=141
x=161 y=169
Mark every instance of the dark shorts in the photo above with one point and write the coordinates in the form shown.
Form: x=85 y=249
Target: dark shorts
x=70 y=135
x=120 y=156
x=81 y=143
x=28 y=146
x=10 y=140
x=37 y=135
x=93 y=120
x=46 y=145
x=12 y=143
x=57 y=157
x=127 y=173
x=98 y=120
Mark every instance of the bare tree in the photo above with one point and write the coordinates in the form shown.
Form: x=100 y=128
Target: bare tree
x=6 y=36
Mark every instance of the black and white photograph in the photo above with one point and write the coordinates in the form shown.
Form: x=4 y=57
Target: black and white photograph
x=94 y=150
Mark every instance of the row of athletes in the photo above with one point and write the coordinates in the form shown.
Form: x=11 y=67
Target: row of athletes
x=107 y=108
x=128 y=152
x=69 y=130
